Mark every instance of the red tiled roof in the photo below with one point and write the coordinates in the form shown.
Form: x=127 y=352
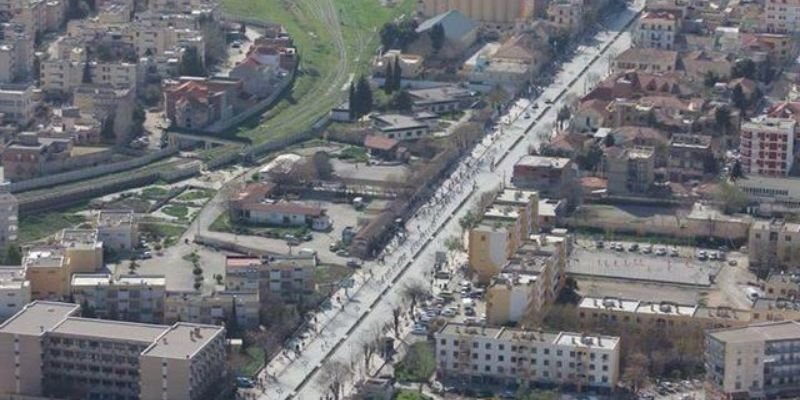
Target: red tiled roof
x=241 y=261
x=379 y=142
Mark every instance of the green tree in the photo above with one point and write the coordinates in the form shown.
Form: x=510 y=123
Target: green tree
x=744 y=68
x=437 y=37
x=401 y=101
x=191 y=63
x=397 y=78
x=351 y=102
x=710 y=79
x=242 y=29
x=635 y=375
x=722 y=118
x=730 y=197
x=398 y=35
x=107 y=128
x=363 y=97
x=13 y=255
x=87 y=72
x=563 y=115
x=739 y=99
x=736 y=171
x=388 y=81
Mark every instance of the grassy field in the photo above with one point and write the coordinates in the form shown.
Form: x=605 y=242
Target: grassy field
x=196 y=194
x=41 y=225
x=418 y=365
x=321 y=63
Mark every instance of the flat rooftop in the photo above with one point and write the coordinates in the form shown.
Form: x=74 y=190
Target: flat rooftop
x=515 y=196
x=38 y=317
x=123 y=280
x=79 y=238
x=543 y=162
x=591 y=341
x=775 y=331
x=44 y=258
x=512 y=334
x=182 y=341
x=109 y=330
x=115 y=218
x=611 y=264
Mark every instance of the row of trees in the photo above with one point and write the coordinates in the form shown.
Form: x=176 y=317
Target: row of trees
x=393 y=77
x=360 y=98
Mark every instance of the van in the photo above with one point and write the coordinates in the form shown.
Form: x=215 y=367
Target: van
x=305 y=251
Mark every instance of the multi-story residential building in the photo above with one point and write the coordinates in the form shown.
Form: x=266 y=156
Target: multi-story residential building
x=689 y=157
x=504 y=225
x=15 y=290
x=492 y=14
x=17 y=103
x=781 y=15
x=195 y=103
x=567 y=15
x=656 y=61
x=118 y=229
x=767 y=309
x=767 y=189
x=291 y=278
x=656 y=30
x=506 y=355
x=47 y=350
x=773 y=244
x=756 y=361
x=550 y=176
x=49 y=268
x=630 y=170
x=9 y=217
x=137 y=298
x=21 y=46
x=102 y=101
x=529 y=282
x=767 y=146
x=661 y=315
x=780 y=284
x=216 y=308
x=63 y=75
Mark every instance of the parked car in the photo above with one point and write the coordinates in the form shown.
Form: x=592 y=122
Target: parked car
x=419 y=330
x=354 y=263
x=244 y=382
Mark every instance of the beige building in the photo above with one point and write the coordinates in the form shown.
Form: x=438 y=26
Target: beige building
x=631 y=170
x=756 y=361
x=506 y=355
x=17 y=103
x=662 y=315
x=215 y=308
x=567 y=15
x=492 y=14
x=410 y=64
x=773 y=244
x=47 y=350
x=503 y=227
x=49 y=268
x=529 y=282
x=782 y=285
x=775 y=309
x=118 y=229
x=656 y=61
x=101 y=101
x=781 y=15
x=136 y=298
x=291 y=278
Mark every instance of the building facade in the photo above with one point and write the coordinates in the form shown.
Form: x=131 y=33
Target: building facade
x=767 y=146
x=656 y=30
x=505 y=355
x=773 y=244
x=135 y=298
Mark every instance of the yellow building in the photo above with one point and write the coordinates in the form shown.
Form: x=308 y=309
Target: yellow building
x=49 y=268
x=505 y=225
x=529 y=282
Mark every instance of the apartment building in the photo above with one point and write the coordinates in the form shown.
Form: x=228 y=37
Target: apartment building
x=649 y=60
x=504 y=225
x=291 y=277
x=516 y=356
x=9 y=217
x=772 y=244
x=656 y=30
x=567 y=15
x=20 y=52
x=101 y=101
x=63 y=75
x=659 y=314
x=755 y=361
x=492 y=14
x=49 y=268
x=688 y=157
x=216 y=308
x=780 y=284
x=48 y=350
x=118 y=229
x=767 y=146
x=529 y=282
x=550 y=176
x=135 y=298
x=781 y=16
x=15 y=291
x=766 y=309
x=630 y=170
x=17 y=103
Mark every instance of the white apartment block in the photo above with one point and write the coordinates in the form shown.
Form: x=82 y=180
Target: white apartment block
x=46 y=349
x=18 y=47
x=136 y=298
x=782 y=15
x=65 y=75
x=290 y=278
x=215 y=308
x=118 y=229
x=656 y=30
x=515 y=356
x=17 y=103
x=15 y=291
x=754 y=362
x=767 y=146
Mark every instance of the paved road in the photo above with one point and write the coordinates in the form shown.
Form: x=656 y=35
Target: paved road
x=377 y=293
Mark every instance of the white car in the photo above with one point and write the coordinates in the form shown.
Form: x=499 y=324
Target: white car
x=661 y=251
x=449 y=312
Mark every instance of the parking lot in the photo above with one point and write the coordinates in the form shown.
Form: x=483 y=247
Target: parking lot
x=646 y=262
